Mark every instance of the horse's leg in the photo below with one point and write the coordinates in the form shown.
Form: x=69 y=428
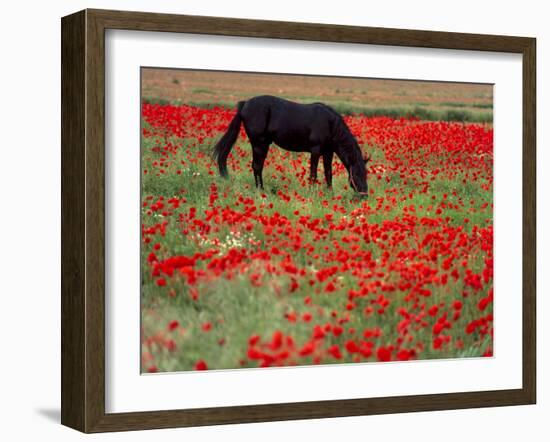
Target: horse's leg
x=259 y=153
x=327 y=165
x=314 y=163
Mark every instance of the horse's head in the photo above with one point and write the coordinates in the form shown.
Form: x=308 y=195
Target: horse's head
x=358 y=176
x=348 y=150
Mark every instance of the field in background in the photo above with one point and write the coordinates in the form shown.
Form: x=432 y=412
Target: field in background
x=298 y=274
x=396 y=98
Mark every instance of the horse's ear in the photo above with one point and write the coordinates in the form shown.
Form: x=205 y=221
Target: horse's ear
x=367 y=159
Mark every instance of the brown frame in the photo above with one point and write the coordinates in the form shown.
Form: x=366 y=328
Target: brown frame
x=83 y=216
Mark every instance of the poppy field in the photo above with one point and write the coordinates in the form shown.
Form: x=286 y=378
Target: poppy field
x=299 y=274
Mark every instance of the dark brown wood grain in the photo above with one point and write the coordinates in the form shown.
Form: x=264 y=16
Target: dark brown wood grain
x=95 y=221
x=73 y=128
x=529 y=220
x=145 y=21
x=83 y=219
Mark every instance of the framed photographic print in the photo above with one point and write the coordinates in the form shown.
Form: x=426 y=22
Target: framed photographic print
x=269 y=220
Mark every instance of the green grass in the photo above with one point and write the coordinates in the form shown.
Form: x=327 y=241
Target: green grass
x=422 y=112
x=236 y=308
x=475 y=105
x=201 y=90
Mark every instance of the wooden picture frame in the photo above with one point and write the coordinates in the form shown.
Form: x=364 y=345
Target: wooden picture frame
x=83 y=219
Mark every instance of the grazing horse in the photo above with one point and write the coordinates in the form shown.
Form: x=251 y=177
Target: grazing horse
x=315 y=128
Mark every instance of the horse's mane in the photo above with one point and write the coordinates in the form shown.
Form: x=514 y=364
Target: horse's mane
x=349 y=147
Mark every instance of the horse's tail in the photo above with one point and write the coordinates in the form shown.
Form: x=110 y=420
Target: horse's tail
x=223 y=147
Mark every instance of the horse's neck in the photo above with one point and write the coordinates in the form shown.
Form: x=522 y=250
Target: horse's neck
x=343 y=158
x=345 y=144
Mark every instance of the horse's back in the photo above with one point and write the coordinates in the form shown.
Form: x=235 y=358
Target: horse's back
x=275 y=104
x=291 y=125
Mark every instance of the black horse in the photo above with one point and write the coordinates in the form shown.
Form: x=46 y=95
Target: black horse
x=315 y=128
